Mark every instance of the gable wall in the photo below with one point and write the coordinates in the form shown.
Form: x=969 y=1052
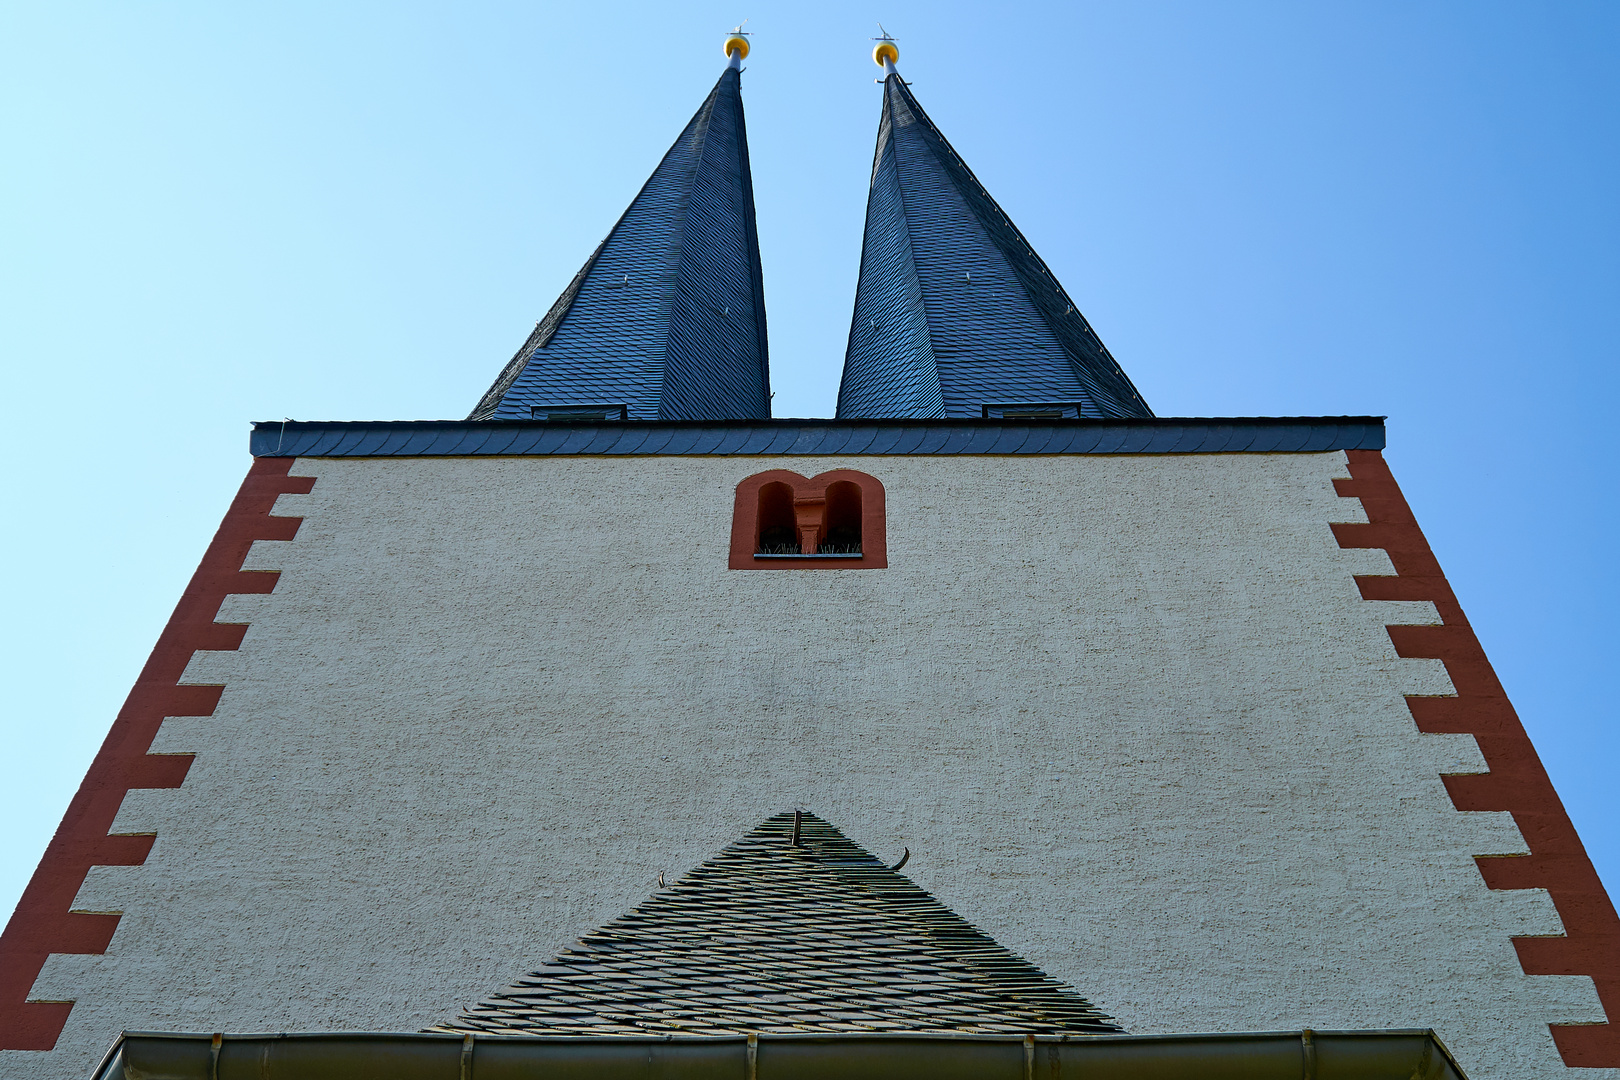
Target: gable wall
x=1130 y=714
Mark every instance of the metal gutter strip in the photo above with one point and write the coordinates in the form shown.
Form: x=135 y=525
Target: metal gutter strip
x=1295 y=1055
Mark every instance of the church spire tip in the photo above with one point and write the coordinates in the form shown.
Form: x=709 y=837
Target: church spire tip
x=955 y=314
x=666 y=319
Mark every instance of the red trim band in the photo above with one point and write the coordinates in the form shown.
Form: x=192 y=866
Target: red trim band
x=1517 y=782
x=44 y=921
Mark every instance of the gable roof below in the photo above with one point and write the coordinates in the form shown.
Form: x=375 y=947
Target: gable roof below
x=794 y=928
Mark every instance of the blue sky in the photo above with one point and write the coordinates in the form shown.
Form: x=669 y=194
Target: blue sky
x=213 y=214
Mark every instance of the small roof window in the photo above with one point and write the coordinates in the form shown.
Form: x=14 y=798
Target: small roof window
x=1032 y=410
x=580 y=412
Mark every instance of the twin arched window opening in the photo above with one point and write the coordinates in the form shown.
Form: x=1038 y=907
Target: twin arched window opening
x=830 y=525
x=782 y=521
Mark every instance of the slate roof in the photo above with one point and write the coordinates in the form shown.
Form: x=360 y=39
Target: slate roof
x=771 y=937
x=954 y=309
x=667 y=316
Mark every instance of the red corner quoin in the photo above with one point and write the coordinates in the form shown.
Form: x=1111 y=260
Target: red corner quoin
x=1517 y=782
x=44 y=921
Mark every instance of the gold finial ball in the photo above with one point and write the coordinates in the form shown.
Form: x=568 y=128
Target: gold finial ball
x=738 y=44
x=886 y=50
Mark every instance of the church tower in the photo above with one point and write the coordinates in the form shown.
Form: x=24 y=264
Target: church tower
x=994 y=728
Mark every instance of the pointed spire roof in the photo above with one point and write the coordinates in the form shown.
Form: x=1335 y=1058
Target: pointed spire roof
x=955 y=310
x=770 y=936
x=667 y=316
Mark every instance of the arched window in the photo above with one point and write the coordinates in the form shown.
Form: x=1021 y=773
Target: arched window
x=842 y=535
x=781 y=521
x=778 y=534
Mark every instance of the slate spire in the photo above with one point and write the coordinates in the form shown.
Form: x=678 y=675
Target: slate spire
x=955 y=312
x=667 y=316
x=793 y=928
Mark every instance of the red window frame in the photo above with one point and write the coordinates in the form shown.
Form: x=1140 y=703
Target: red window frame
x=809 y=506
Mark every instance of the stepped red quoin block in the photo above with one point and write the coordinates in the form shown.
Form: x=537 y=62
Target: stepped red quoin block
x=1517 y=782
x=44 y=921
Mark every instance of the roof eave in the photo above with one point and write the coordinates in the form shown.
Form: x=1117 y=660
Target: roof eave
x=1326 y=1055
x=971 y=435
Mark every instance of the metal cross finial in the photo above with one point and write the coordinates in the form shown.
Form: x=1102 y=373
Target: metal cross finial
x=885 y=53
x=736 y=47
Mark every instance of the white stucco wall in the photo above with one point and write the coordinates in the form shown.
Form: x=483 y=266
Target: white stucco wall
x=1129 y=713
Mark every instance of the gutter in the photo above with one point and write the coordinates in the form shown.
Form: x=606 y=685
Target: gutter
x=1415 y=1054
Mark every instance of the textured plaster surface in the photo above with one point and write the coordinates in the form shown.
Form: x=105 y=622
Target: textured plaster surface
x=1129 y=714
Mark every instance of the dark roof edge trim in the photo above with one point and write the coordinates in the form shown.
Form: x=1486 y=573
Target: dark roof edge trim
x=525 y=438
x=1336 y=1055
